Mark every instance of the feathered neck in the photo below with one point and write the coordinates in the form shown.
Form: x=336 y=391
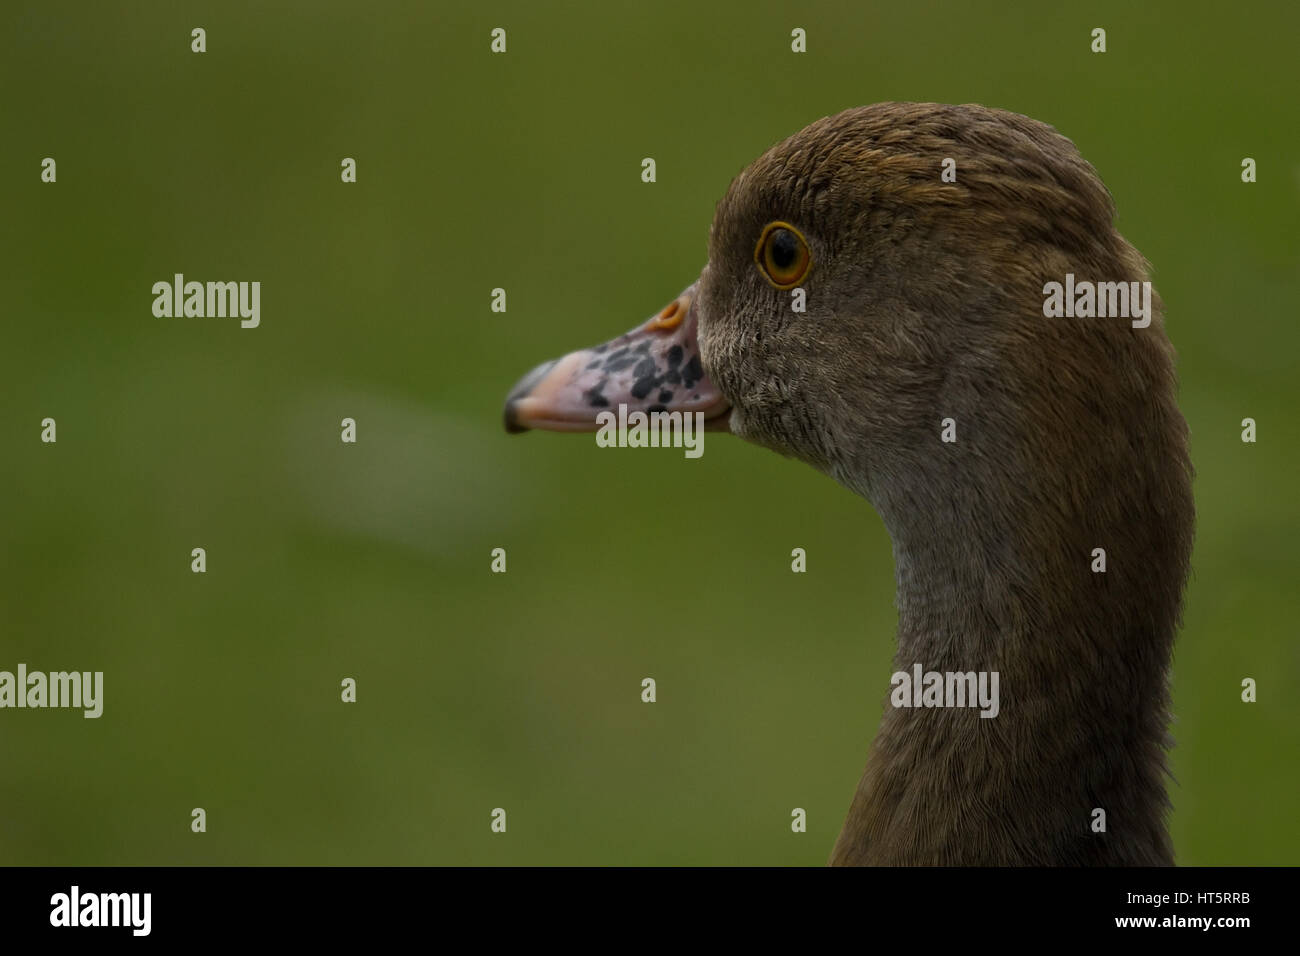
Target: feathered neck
x=1058 y=563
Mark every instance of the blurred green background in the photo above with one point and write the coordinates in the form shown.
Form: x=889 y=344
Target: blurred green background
x=326 y=560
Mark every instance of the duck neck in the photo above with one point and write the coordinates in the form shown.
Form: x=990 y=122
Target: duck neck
x=1065 y=765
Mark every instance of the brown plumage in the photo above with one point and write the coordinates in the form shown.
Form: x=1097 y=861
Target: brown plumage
x=925 y=303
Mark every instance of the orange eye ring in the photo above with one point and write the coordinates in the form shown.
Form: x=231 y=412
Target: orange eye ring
x=782 y=255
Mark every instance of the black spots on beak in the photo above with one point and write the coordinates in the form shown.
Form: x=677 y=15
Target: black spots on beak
x=619 y=360
x=654 y=377
x=646 y=373
x=693 y=372
x=643 y=385
x=593 y=395
x=624 y=357
x=674 y=374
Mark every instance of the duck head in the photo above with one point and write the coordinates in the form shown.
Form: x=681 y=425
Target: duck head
x=854 y=298
x=874 y=305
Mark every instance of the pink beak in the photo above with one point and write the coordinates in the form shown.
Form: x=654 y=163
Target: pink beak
x=654 y=368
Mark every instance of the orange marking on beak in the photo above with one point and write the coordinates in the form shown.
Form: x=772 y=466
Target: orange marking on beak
x=671 y=316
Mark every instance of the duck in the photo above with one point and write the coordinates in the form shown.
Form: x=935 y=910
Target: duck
x=1032 y=468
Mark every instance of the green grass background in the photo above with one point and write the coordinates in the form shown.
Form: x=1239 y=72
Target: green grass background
x=328 y=560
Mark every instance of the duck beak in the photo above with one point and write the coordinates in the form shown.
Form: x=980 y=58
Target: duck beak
x=654 y=368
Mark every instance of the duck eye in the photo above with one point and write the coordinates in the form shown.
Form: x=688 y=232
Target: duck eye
x=782 y=255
